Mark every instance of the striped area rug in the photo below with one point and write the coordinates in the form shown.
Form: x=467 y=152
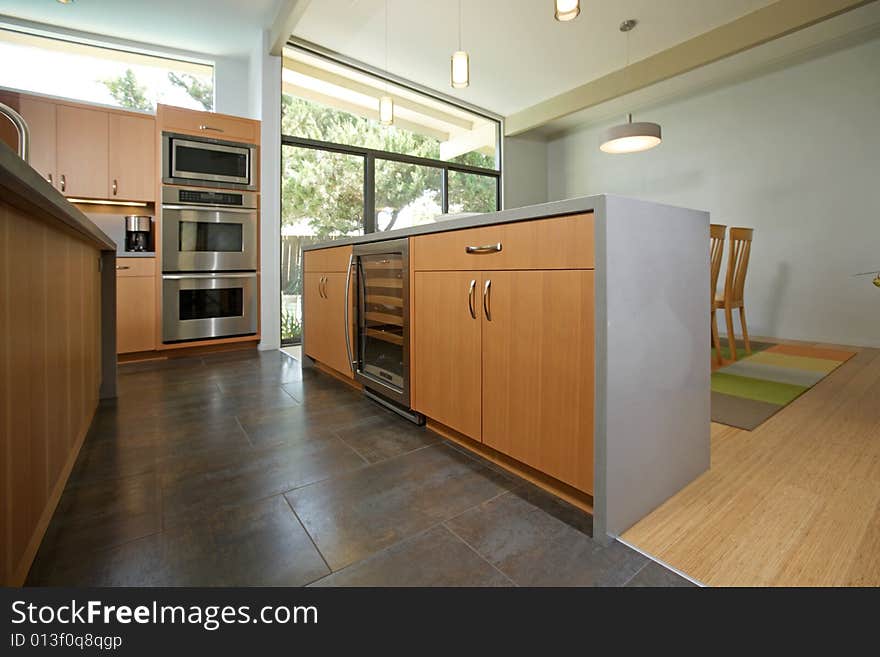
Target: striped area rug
x=748 y=392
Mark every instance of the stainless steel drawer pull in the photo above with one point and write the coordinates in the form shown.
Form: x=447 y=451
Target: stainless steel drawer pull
x=118 y=267
x=488 y=248
x=207 y=127
x=487 y=300
x=471 y=291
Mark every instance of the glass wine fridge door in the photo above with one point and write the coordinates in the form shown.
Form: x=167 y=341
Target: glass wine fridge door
x=383 y=349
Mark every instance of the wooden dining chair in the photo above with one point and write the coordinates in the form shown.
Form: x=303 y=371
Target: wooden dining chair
x=716 y=251
x=734 y=285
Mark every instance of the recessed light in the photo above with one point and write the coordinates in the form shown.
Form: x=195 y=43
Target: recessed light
x=65 y=2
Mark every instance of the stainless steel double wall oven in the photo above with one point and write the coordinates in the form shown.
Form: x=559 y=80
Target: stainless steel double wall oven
x=209 y=241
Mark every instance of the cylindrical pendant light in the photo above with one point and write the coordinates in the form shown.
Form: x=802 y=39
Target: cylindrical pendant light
x=460 y=71
x=567 y=10
x=461 y=76
x=386 y=110
x=630 y=137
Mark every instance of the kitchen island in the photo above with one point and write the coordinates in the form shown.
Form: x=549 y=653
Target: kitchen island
x=567 y=342
x=58 y=319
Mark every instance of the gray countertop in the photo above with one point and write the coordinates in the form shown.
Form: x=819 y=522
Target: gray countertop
x=552 y=209
x=23 y=187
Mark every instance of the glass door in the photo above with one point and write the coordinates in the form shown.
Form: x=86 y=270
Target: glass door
x=382 y=304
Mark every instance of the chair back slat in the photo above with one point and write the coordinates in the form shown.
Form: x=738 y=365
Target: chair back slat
x=716 y=251
x=738 y=264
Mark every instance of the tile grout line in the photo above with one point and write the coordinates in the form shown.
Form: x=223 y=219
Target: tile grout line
x=479 y=554
x=247 y=436
x=312 y=540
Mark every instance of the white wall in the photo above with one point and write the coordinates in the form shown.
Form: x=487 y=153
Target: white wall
x=232 y=87
x=525 y=172
x=796 y=155
x=266 y=100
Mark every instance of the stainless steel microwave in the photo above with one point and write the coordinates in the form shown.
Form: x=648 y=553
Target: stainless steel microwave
x=208 y=162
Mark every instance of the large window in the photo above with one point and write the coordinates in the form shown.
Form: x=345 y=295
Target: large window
x=345 y=173
x=96 y=74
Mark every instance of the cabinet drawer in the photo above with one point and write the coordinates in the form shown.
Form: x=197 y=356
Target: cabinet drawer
x=135 y=267
x=327 y=260
x=557 y=243
x=217 y=126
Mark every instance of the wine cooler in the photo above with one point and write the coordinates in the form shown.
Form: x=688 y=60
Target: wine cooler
x=382 y=347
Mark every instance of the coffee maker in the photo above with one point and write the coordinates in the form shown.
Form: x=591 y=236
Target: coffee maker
x=138 y=233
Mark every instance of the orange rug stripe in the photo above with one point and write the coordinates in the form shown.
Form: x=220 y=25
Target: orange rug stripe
x=812 y=352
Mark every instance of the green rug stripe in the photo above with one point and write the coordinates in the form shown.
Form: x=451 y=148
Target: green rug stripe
x=740 y=349
x=757 y=389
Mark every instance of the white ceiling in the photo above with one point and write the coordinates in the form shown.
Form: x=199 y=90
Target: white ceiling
x=519 y=54
x=215 y=27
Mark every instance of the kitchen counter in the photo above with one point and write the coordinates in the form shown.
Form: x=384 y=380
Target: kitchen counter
x=594 y=366
x=59 y=353
x=577 y=205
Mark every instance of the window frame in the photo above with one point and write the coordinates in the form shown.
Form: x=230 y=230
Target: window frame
x=370 y=156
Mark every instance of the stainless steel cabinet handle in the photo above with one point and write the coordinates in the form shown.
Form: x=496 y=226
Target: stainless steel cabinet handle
x=351 y=362
x=207 y=127
x=63 y=182
x=321 y=287
x=486 y=299
x=121 y=267
x=115 y=186
x=49 y=178
x=487 y=248
x=471 y=291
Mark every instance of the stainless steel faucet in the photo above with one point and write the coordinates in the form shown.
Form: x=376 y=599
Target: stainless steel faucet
x=24 y=134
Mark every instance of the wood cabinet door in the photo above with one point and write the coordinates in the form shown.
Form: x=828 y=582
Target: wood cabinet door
x=324 y=318
x=40 y=116
x=313 y=315
x=82 y=154
x=335 y=332
x=446 y=349
x=132 y=152
x=135 y=313
x=538 y=371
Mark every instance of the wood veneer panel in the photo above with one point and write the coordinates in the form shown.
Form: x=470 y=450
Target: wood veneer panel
x=49 y=377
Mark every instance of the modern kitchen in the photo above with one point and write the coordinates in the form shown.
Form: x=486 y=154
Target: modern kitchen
x=320 y=295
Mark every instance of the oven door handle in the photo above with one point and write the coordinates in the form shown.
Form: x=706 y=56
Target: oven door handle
x=211 y=208
x=348 y=349
x=178 y=277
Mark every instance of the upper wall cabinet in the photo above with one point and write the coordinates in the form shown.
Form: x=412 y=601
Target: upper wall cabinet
x=90 y=152
x=41 y=119
x=132 y=151
x=83 y=169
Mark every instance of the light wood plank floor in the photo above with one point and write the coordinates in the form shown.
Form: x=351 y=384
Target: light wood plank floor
x=796 y=502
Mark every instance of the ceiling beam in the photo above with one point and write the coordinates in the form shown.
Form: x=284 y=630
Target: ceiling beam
x=367 y=90
x=776 y=20
x=289 y=14
x=371 y=112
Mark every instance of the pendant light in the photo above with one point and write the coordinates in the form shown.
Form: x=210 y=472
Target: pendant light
x=567 y=10
x=630 y=137
x=386 y=102
x=461 y=68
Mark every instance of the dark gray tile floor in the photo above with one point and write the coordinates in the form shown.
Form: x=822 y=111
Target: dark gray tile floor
x=244 y=469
